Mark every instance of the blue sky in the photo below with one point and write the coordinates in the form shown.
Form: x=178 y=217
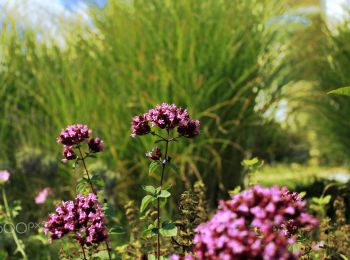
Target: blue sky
x=71 y=4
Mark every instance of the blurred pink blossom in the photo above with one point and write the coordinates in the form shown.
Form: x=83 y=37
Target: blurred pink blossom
x=41 y=197
x=4 y=176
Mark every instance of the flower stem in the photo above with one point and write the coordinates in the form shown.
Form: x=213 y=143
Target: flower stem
x=82 y=248
x=165 y=161
x=87 y=172
x=94 y=191
x=13 y=232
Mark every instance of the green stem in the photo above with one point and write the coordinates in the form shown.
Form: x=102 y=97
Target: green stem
x=87 y=172
x=94 y=191
x=165 y=161
x=13 y=232
x=82 y=248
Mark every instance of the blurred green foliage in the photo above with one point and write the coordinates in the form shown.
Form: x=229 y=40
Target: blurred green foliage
x=219 y=59
x=230 y=62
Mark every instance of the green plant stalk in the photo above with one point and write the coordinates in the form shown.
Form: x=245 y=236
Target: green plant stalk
x=165 y=161
x=87 y=172
x=82 y=248
x=13 y=232
x=93 y=190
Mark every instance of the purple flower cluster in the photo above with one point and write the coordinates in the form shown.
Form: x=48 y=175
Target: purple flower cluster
x=259 y=223
x=168 y=117
x=155 y=155
x=96 y=145
x=83 y=217
x=73 y=136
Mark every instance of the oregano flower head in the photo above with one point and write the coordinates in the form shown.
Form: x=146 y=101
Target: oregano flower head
x=74 y=134
x=83 y=217
x=259 y=223
x=165 y=116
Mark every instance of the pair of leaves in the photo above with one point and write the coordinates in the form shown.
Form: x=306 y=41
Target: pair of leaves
x=154 y=194
x=168 y=229
x=157 y=192
x=322 y=201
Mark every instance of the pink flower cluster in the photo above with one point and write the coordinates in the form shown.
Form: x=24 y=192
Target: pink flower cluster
x=259 y=223
x=165 y=116
x=83 y=217
x=73 y=136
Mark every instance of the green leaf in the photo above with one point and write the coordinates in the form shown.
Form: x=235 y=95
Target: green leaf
x=146 y=201
x=154 y=167
x=302 y=194
x=82 y=186
x=151 y=257
x=250 y=162
x=345 y=91
x=101 y=255
x=150 y=189
x=91 y=155
x=167 y=187
x=164 y=194
x=150 y=231
x=344 y=257
x=168 y=229
x=326 y=199
x=97 y=180
x=162 y=202
x=108 y=209
x=75 y=164
x=235 y=191
x=173 y=167
x=117 y=230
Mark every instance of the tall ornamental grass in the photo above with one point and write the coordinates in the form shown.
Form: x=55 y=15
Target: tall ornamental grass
x=217 y=58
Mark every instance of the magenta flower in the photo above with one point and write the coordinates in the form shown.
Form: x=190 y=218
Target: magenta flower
x=74 y=134
x=68 y=153
x=189 y=128
x=4 y=176
x=42 y=196
x=186 y=257
x=155 y=155
x=259 y=223
x=96 y=145
x=139 y=126
x=165 y=116
x=83 y=217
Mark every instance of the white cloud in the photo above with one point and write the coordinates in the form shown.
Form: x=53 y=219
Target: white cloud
x=336 y=10
x=50 y=17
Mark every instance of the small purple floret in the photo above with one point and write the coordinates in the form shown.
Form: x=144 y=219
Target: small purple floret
x=96 y=145
x=155 y=155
